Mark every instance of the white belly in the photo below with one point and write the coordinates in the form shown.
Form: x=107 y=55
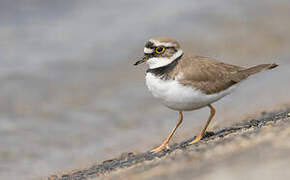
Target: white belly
x=179 y=97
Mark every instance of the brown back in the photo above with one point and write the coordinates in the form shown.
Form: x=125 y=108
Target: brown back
x=211 y=76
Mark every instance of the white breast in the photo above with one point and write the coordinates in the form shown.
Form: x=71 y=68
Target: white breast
x=179 y=97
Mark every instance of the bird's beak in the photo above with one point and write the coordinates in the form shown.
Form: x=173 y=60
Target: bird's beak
x=142 y=60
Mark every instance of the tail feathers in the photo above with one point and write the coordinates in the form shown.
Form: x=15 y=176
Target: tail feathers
x=258 y=68
x=244 y=73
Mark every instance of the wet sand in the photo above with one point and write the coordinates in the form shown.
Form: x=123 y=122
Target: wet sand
x=245 y=149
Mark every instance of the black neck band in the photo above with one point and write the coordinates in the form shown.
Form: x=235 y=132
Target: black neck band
x=164 y=70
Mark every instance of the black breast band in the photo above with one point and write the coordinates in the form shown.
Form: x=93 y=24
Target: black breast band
x=164 y=70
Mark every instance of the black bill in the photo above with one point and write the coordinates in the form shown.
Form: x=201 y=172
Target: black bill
x=142 y=60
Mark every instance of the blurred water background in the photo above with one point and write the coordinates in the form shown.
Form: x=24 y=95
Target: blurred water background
x=70 y=95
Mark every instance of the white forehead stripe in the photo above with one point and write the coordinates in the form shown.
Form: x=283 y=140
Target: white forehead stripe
x=166 y=44
x=148 y=50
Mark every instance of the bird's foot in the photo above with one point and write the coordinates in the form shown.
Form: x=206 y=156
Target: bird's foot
x=160 y=148
x=197 y=139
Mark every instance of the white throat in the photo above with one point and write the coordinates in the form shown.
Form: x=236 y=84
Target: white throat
x=157 y=62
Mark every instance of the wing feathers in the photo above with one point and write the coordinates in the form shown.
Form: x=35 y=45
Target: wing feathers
x=211 y=76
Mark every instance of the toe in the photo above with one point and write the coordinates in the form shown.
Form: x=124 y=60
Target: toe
x=160 y=148
x=195 y=140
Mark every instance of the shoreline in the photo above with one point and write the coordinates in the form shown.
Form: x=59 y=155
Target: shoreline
x=130 y=160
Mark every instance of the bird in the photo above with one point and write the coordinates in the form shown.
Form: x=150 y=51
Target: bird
x=185 y=82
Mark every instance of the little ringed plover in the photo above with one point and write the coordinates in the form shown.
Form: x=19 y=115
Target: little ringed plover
x=184 y=82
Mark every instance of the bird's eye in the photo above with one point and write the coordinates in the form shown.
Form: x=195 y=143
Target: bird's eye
x=159 y=50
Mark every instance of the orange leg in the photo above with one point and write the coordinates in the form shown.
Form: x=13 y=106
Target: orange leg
x=212 y=113
x=165 y=143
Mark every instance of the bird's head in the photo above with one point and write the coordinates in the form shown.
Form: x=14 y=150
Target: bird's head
x=159 y=52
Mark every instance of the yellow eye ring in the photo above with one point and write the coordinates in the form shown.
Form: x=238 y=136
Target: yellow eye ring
x=159 y=49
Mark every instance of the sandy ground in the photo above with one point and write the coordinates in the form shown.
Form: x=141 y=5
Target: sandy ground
x=252 y=149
